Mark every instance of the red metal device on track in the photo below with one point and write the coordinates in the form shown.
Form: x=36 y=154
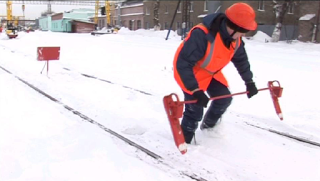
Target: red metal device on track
x=174 y=109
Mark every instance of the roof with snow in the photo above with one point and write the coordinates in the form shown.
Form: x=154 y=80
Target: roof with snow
x=307 y=17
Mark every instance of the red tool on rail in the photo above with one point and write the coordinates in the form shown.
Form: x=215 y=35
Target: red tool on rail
x=174 y=110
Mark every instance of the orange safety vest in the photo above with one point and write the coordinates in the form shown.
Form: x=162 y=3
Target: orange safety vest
x=217 y=56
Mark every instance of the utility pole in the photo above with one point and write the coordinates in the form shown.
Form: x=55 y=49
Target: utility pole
x=23 y=8
x=185 y=17
x=119 y=13
x=174 y=16
x=49 y=7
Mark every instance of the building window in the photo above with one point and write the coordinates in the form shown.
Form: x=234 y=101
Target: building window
x=166 y=11
x=131 y=24
x=290 y=8
x=166 y=25
x=206 y=5
x=146 y=26
x=179 y=8
x=147 y=11
x=191 y=6
x=139 y=24
x=261 y=5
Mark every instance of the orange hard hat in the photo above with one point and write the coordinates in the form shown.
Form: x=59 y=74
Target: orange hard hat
x=242 y=15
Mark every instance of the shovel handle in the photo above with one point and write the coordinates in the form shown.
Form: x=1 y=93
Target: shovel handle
x=223 y=96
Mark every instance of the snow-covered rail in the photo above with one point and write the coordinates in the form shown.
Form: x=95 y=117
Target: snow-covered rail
x=117 y=135
x=304 y=140
x=110 y=82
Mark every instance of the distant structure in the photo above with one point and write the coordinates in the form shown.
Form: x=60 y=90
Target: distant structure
x=74 y=21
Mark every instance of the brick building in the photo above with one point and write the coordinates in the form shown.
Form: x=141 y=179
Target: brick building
x=293 y=26
x=264 y=11
x=129 y=14
x=198 y=9
x=266 y=18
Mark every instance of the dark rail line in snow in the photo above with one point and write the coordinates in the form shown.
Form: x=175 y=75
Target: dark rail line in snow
x=304 y=140
x=97 y=78
x=141 y=148
x=86 y=75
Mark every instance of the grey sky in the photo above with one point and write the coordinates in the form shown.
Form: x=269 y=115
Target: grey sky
x=34 y=11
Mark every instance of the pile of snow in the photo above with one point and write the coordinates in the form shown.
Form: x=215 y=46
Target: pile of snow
x=261 y=37
x=105 y=30
x=150 y=33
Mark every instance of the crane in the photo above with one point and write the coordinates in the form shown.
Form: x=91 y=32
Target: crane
x=107 y=9
x=96 y=12
x=107 y=12
x=11 y=29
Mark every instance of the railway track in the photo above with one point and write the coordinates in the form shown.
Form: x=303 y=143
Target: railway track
x=140 y=148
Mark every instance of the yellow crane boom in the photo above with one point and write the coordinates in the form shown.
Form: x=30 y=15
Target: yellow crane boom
x=11 y=30
x=107 y=8
x=96 y=12
x=107 y=11
x=9 y=11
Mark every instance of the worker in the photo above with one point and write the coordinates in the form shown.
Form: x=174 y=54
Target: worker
x=199 y=59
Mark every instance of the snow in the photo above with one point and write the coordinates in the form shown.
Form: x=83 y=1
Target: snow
x=202 y=15
x=132 y=14
x=41 y=140
x=307 y=17
x=131 y=5
x=261 y=37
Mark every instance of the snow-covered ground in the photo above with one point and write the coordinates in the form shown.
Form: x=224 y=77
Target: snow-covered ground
x=41 y=140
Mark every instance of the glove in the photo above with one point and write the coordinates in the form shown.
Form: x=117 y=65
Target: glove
x=201 y=97
x=252 y=89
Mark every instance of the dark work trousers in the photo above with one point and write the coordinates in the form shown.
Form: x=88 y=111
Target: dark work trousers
x=194 y=113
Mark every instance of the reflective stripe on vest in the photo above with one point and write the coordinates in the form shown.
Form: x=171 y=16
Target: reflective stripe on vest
x=216 y=57
x=208 y=58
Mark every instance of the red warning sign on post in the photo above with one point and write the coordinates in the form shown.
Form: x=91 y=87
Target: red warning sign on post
x=48 y=53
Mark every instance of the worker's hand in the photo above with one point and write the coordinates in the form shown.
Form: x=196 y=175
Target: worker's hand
x=201 y=97
x=252 y=89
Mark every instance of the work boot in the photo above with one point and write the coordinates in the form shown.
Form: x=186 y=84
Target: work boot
x=205 y=126
x=188 y=136
x=210 y=121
